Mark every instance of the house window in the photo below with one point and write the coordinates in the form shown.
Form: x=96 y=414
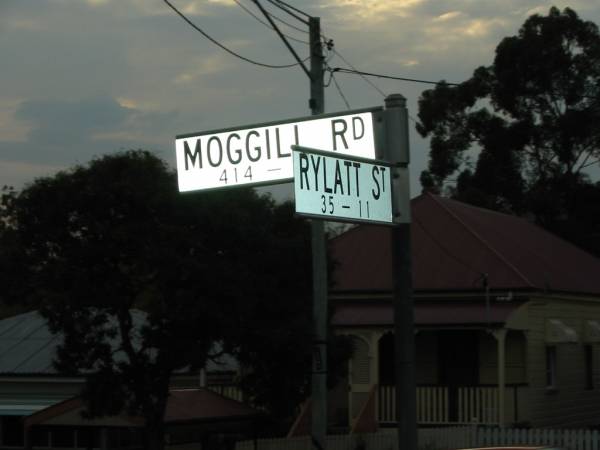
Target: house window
x=588 y=354
x=551 y=366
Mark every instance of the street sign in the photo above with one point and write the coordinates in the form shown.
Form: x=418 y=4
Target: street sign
x=261 y=154
x=345 y=188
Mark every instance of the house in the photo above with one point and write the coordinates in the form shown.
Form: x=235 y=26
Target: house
x=193 y=416
x=40 y=407
x=507 y=321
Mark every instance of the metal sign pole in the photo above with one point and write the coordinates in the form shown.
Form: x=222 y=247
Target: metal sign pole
x=397 y=152
x=319 y=261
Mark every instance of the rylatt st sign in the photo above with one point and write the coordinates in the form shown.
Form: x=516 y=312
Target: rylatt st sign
x=329 y=186
x=261 y=154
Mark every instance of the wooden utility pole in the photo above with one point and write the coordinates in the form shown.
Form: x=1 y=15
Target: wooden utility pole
x=319 y=261
x=318 y=242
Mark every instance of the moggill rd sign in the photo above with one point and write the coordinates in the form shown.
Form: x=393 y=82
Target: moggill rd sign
x=329 y=186
x=261 y=154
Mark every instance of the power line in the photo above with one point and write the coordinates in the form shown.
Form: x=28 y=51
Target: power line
x=361 y=75
x=279 y=4
x=231 y=52
x=266 y=24
x=340 y=91
x=279 y=19
x=369 y=74
x=285 y=41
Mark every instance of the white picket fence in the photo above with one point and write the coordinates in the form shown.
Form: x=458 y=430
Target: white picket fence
x=371 y=441
x=567 y=439
x=447 y=438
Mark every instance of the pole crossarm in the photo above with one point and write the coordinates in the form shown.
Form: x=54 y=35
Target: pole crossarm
x=282 y=36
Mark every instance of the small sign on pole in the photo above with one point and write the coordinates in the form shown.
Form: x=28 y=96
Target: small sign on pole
x=335 y=187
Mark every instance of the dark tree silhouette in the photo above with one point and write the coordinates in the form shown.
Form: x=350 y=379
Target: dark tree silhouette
x=530 y=123
x=91 y=245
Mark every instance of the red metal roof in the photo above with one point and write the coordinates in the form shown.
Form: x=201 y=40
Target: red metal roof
x=183 y=405
x=453 y=244
x=203 y=405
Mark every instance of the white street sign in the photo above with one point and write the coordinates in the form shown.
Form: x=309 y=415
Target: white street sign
x=342 y=188
x=262 y=154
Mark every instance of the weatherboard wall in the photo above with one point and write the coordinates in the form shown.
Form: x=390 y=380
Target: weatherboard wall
x=568 y=403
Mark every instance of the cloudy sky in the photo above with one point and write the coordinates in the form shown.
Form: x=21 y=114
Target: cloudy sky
x=82 y=78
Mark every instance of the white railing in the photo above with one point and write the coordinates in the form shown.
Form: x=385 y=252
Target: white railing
x=432 y=405
x=448 y=438
x=459 y=405
x=478 y=405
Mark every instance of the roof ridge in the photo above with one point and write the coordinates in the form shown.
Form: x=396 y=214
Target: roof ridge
x=483 y=241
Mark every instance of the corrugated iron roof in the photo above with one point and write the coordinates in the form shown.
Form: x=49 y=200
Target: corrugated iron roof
x=454 y=244
x=192 y=405
x=183 y=406
x=27 y=347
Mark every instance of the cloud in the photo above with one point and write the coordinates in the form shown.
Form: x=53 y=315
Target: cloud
x=140 y=127
x=480 y=28
x=97 y=2
x=85 y=77
x=447 y=16
x=26 y=24
x=61 y=133
x=10 y=128
x=409 y=62
x=63 y=122
x=198 y=67
x=373 y=11
x=125 y=9
x=12 y=173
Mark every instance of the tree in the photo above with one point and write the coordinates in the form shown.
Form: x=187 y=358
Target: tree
x=530 y=119
x=91 y=245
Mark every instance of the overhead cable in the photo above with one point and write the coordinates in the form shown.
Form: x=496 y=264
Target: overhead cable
x=287 y=23
x=390 y=77
x=266 y=24
x=361 y=75
x=339 y=89
x=281 y=35
x=231 y=52
x=284 y=7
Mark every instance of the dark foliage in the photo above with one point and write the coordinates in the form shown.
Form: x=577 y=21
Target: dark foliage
x=530 y=120
x=91 y=246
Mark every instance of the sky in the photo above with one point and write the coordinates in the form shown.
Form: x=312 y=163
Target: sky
x=83 y=78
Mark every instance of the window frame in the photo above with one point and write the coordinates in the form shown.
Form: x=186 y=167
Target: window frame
x=551 y=367
x=588 y=358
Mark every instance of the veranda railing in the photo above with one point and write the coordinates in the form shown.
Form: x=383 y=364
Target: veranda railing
x=454 y=405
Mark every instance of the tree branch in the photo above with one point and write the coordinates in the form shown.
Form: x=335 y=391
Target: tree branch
x=590 y=164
